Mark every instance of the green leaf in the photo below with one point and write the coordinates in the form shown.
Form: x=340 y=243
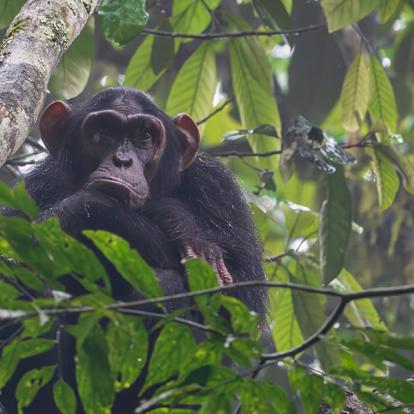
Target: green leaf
x=253 y=90
x=139 y=73
x=364 y=308
x=174 y=345
x=30 y=384
x=377 y=353
x=404 y=165
x=309 y=386
x=388 y=9
x=64 y=397
x=200 y=277
x=400 y=389
x=127 y=261
x=9 y=9
x=341 y=13
x=387 y=179
x=243 y=320
x=162 y=50
x=93 y=374
x=264 y=397
x=128 y=346
x=273 y=13
x=192 y=16
x=390 y=339
x=35 y=346
x=194 y=87
x=335 y=225
x=355 y=94
x=286 y=331
x=122 y=20
x=19 y=199
x=382 y=106
x=8 y=362
x=71 y=75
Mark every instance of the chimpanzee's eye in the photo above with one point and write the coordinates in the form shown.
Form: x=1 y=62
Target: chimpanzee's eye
x=103 y=138
x=147 y=135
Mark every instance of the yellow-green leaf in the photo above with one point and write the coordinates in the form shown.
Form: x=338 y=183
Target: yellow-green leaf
x=253 y=90
x=194 y=87
x=139 y=73
x=387 y=178
x=382 y=106
x=341 y=13
x=388 y=9
x=355 y=94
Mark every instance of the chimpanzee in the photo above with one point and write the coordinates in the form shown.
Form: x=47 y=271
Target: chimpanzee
x=117 y=162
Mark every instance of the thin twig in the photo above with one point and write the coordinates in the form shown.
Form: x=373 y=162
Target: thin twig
x=225 y=35
x=216 y=111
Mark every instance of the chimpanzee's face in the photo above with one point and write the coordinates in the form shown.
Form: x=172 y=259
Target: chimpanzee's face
x=120 y=141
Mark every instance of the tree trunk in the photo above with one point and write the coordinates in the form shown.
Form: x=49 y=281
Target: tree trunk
x=34 y=42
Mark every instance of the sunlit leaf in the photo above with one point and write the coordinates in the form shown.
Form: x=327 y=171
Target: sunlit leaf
x=335 y=225
x=139 y=73
x=193 y=89
x=71 y=75
x=253 y=90
x=386 y=177
x=341 y=13
x=127 y=261
x=355 y=94
x=382 y=106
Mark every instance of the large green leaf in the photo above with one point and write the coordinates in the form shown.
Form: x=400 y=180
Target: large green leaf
x=193 y=89
x=127 y=261
x=286 y=331
x=335 y=225
x=192 y=16
x=9 y=9
x=387 y=179
x=382 y=106
x=174 y=345
x=253 y=89
x=93 y=374
x=140 y=73
x=355 y=94
x=122 y=20
x=341 y=13
x=72 y=73
x=128 y=346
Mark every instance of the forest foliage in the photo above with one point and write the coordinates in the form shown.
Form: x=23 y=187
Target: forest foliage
x=314 y=116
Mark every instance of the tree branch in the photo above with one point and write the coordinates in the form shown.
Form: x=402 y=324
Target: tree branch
x=34 y=42
x=225 y=35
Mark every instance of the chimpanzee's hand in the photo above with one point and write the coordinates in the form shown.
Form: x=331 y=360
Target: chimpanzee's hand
x=212 y=254
x=86 y=210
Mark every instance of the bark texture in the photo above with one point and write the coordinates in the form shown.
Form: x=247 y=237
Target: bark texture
x=35 y=41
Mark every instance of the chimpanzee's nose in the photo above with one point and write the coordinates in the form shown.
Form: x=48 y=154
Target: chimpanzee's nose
x=122 y=159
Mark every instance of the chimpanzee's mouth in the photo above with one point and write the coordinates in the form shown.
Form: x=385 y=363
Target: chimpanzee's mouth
x=119 y=189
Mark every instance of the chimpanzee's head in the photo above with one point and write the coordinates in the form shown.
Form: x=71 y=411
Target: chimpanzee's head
x=119 y=142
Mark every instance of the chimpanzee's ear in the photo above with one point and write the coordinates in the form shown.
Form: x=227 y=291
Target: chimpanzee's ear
x=191 y=136
x=51 y=125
